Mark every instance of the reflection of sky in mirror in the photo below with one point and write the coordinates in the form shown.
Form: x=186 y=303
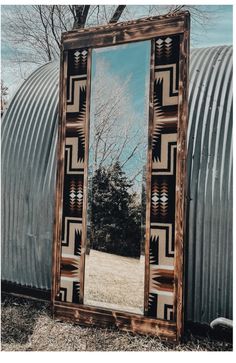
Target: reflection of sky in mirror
x=129 y=59
x=129 y=65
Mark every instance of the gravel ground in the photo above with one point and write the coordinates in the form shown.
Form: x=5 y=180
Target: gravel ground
x=27 y=325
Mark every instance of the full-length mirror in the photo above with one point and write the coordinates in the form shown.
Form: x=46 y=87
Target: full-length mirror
x=115 y=256
x=120 y=195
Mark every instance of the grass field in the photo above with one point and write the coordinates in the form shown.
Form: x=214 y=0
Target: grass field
x=114 y=281
x=27 y=325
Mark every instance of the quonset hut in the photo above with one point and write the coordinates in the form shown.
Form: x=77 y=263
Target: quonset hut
x=29 y=138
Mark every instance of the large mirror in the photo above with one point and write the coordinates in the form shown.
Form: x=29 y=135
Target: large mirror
x=119 y=212
x=115 y=255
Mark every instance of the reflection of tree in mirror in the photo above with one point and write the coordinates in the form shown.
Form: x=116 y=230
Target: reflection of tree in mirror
x=118 y=149
x=115 y=213
x=118 y=132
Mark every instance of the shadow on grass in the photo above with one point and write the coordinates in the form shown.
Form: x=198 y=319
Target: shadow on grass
x=18 y=317
x=27 y=325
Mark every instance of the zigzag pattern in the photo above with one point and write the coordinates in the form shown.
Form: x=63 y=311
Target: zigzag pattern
x=162 y=128
x=77 y=94
x=70 y=266
x=78 y=240
x=162 y=244
x=164 y=142
x=161 y=280
x=74 y=162
x=159 y=198
x=164 y=47
x=151 y=300
x=76 y=195
x=80 y=58
x=72 y=217
x=80 y=127
x=165 y=85
x=164 y=156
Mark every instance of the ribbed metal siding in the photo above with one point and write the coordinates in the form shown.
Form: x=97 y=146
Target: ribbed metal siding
x=209 y=274
x=29 y=137
x=28 y=183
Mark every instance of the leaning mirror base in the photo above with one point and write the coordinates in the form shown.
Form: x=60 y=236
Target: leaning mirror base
x=105 y=318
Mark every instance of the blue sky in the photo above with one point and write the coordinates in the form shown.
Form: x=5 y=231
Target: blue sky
x=217 y=30
x=124 y=60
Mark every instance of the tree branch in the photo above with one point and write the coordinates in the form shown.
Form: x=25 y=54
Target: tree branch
x=117 y=14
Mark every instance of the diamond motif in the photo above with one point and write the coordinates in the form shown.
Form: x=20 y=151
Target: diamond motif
x=159 y=41
x=79 y=195
x=155 y=198
x=168 y=40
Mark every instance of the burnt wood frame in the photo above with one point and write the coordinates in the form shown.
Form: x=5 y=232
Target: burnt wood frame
x=108 y=35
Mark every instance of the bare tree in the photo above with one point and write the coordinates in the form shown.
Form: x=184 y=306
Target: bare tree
x=35 y=30
x=118 y=131
x=4 y=96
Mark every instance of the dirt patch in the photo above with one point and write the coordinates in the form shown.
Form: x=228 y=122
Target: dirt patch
x=28 y=326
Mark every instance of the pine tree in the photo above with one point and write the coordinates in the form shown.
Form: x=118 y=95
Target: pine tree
x=115 y=213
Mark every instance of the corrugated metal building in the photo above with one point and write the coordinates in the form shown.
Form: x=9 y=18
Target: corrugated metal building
x=29 y=137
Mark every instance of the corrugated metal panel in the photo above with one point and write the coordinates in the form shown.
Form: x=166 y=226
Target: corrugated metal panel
x=29 y=136
x=28 y=183
x=209 y=211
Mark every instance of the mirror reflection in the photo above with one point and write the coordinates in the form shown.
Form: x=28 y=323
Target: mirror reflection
x=114 y=263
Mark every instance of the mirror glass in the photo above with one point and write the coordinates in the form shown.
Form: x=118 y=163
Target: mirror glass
x=114 y=262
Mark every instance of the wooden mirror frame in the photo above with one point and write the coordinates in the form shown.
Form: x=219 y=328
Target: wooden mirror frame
x=162 y=283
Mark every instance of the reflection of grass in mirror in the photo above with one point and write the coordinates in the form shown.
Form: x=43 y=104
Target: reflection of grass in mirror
x=114 y=280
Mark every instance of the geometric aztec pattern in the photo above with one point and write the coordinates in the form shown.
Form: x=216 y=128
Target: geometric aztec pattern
x=163 y=179
x=72 y=213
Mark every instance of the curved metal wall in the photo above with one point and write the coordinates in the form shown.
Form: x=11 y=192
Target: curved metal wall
x=29 y=137
x=209 y=272
x=29 y=134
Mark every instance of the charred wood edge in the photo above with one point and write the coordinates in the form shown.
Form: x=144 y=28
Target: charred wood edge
x=125 y=32
x=88 y=315
x=112 y=35
x=117 y=14
x=148 y=177
x=24 y=291
x=57 y=228
x=81 y=12
x=180 y=224
x=162 y=19
x=85 y=186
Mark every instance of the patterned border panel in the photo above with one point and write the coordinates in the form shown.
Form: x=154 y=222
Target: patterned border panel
x=73 y=176
x=163 y=179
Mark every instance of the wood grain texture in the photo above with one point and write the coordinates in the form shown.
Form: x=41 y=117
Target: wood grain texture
x=181 y=178
x=148 y=177
x=137 y=30
x=59 y=178
x=88 y=315
x=85 y=187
